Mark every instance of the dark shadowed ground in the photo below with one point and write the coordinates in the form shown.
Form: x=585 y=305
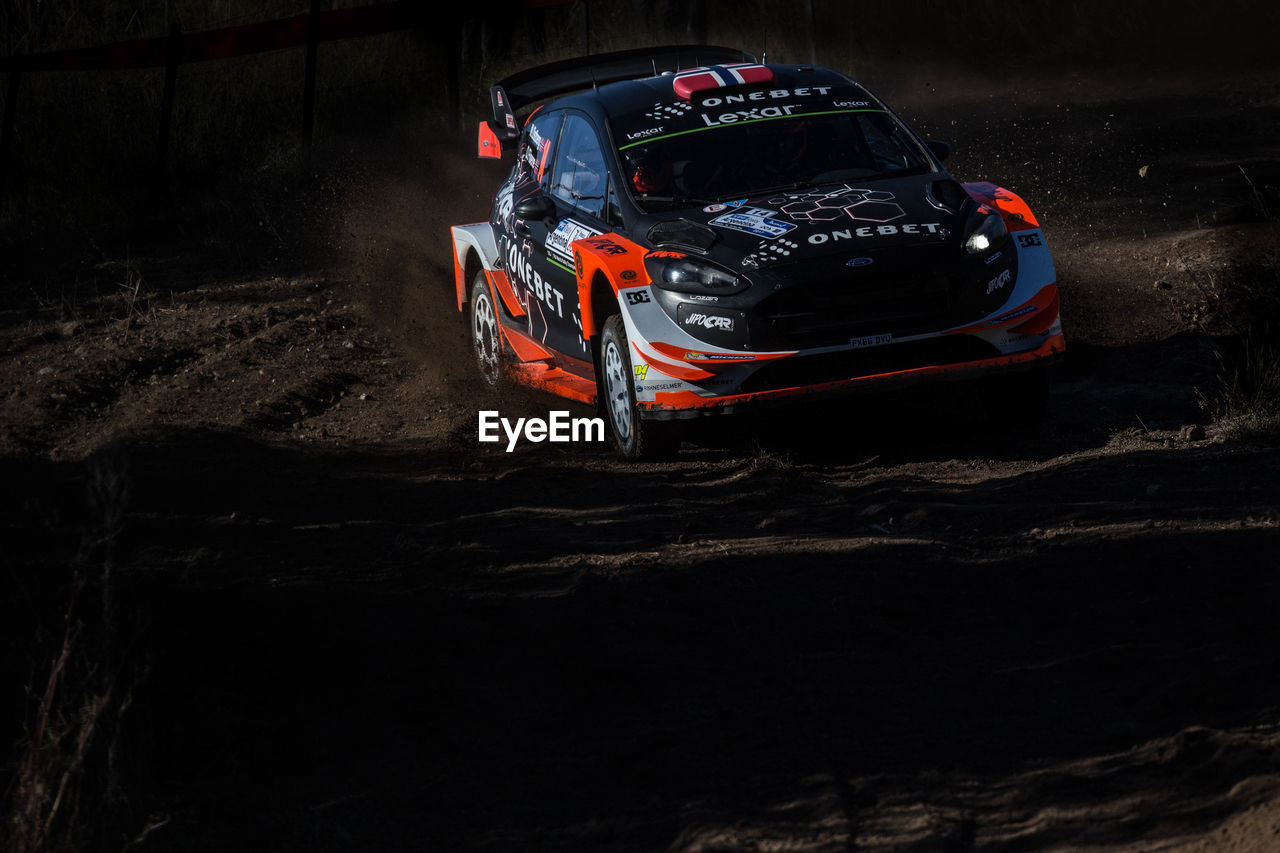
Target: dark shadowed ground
x=885 y=625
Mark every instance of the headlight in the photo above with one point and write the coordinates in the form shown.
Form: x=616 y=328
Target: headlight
x=684 y=275
x=986 y=233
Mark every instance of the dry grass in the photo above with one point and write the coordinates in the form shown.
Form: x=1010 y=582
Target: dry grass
x=65 y=792
x=1245 y=399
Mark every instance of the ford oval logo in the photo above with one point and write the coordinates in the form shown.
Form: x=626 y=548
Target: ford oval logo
x=859 y=262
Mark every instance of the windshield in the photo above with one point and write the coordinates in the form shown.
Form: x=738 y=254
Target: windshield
x=810 y=146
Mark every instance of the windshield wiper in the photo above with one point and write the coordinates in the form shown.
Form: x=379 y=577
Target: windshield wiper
x=673 y=199
x=780 y=188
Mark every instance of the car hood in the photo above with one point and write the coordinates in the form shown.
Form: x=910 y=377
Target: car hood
x=846 y=219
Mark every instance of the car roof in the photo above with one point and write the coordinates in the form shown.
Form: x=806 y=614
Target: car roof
x=614 y=84
x=631 y=96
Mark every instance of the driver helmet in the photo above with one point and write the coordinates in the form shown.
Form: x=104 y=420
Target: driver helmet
x=650 y=172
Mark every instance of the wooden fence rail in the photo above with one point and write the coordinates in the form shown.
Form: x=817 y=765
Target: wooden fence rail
x=178 y=48
x=242 y=40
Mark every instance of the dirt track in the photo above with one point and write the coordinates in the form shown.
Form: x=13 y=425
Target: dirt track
x=897 y=629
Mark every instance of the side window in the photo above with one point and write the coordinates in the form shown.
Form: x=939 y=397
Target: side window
x=580 y=178
x=539 y=140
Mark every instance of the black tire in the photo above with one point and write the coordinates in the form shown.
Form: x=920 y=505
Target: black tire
x=1018 y=400
x=636 y=438
x=486 y=340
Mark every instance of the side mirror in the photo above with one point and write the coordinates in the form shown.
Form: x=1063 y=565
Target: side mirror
x=940 y=149
x=536 y=208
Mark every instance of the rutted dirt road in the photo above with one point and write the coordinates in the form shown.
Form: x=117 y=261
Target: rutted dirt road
x=891 y=628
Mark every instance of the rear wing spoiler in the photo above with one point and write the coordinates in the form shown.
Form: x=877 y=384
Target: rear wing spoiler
x=571 y=75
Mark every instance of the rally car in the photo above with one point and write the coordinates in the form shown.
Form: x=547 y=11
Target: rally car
x=686 y=231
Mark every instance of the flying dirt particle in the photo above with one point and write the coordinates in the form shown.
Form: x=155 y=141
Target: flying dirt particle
x=1142 y=172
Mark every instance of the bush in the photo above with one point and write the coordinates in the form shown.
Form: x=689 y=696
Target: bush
x=1246 y=400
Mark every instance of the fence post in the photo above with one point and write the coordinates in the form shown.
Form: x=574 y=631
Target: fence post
x=6 y=136
x=309 y=81
x=810 y=31
x=696 y=20
x=453 y=81
x=166 y=110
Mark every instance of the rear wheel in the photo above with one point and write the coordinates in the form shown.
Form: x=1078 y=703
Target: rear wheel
x=636 y=437
x=486 y=340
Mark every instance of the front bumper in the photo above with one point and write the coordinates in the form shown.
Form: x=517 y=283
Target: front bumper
x=688 y=403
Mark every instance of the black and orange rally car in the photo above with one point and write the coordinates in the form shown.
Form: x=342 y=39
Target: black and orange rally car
x=686 y=231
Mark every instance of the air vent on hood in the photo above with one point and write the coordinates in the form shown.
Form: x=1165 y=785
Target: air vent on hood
x=947 y=194
x=682 y=234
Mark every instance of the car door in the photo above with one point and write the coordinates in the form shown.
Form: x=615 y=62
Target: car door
x=524 y=219
x=559 y=194
x=579 y=188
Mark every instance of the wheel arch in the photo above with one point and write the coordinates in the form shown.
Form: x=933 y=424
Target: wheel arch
x=600 y=263
x=474 y=249
x=1015 y=212
x=603 y=302
x=470 y=266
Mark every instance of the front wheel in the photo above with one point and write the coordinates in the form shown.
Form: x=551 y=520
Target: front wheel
x=486 y=340
x=636 y=437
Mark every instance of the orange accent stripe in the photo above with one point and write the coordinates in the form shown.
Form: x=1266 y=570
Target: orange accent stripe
x=1046 y=297
x=577 y=366
x=555 y=381
x=671 y=351
x=685 y=400
x=526 y=348
x=599 y=254
x=502 y=285
x=1040 y=323
x=458 y=275
x=689 y=374
x=542 y=164
x=1016 y=213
